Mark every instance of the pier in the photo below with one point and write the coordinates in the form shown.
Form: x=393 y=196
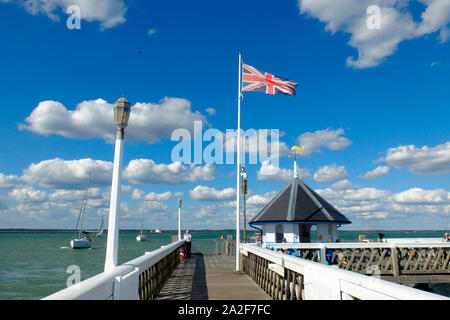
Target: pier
x=210 y=277
x=285 y=266
x=265 y=273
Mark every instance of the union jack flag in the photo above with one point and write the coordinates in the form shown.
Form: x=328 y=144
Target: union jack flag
x=256 y=80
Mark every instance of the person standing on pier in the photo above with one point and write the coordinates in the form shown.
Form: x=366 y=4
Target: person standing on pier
x=188 y=241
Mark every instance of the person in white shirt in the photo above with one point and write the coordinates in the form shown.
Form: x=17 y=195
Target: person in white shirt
x=188 y=242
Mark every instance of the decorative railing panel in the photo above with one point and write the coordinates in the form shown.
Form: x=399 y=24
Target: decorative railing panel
x=286 y=277
x=152 y=280
x=397 y=261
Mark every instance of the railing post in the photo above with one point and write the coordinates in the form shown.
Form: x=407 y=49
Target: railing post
x=323 y=255
x=395 y=264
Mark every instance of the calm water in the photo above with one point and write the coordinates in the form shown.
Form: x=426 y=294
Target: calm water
x=33 y=264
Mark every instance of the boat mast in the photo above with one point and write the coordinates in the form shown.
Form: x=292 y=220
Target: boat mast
x=83 y=207
x=142 y=219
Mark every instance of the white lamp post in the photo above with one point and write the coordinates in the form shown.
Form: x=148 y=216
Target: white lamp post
x=179 y=219
x=122 y=109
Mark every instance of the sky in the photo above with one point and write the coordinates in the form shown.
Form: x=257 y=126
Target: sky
x=371 y=108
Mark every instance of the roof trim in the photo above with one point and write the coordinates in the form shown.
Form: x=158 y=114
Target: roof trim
x=300 y=222
x=317 y=202
x=292 y=201
x=264 y=209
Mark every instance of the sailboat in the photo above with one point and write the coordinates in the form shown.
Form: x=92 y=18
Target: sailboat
x=83 y=240
x=141 y=236
x=100 y=229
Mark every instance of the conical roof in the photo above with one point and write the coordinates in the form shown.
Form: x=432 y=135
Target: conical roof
x=298 y=203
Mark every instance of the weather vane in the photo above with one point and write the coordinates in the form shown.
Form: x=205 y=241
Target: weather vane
x=294 y=150
x=293 y=153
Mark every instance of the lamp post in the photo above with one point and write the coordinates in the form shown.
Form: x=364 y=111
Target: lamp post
x=179 y=219
x=122 y=109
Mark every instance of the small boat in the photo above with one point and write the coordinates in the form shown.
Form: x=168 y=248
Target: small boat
x=100 y=229
x=141 y=236
x=83 y=240
x=80 y=243
x=158 y=230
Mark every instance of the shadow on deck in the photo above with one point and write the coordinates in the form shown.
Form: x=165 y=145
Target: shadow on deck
x=210 y=277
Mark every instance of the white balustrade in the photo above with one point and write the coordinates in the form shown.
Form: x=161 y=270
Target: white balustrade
x=122 y=282
x=331 y=283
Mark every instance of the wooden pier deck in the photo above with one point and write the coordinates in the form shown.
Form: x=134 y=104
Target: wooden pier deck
x=210 y=277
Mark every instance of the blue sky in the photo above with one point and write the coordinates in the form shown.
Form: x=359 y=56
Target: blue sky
x=367 y=100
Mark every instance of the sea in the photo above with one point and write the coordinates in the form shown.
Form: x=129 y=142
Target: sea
x=37 y=263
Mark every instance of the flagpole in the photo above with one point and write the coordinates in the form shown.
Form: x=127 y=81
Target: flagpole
x=238 y=165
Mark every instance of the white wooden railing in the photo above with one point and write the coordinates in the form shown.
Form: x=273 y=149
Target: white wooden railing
x=403 y=261
x=281 y=275
x=286 y=277
x=124 y=282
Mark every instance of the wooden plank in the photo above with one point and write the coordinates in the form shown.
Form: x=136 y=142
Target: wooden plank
x=350 y=263
x=210 y=277
x=361 y=292
x=300 y=285
x=361 y=258
x=438 y=258
x=428 y=261
x=372 y=257
x=287 y=285
x=395 y=265
x=413 y=279
x=444 y=265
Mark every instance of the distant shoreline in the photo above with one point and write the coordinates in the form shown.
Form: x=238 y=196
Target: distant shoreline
x=201 y=230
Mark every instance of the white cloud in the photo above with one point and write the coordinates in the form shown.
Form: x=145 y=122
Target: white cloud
x=420 y=161
x=261 y=200
x=377 y=172
x=343 y=185
x=126 y=188
x=138 y=194
x=271 y=172
x=73 y=174
x=144 y=171
x=211 y=111
x=74 y=195
x=330 y=173
x=3 y=203
x=7 y=181
x=373 y=215
x=156 y=207
x=151 y=32
x=28 y=194
x=209 y=211
x=418 y=195
x=109 y=13
x=371 y=203
x=354 y=194
x=329 y=139
x=397 y=24
x=365 y=194
x=94 y=119
x=68 y=174
x=436 y=17
x=211 y=194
